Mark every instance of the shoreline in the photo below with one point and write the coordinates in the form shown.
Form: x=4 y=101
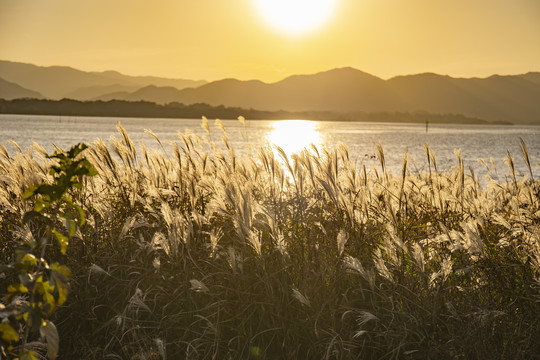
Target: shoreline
x=144 y=109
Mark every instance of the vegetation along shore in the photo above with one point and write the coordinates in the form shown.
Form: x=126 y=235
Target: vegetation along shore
x=145 y=109
x=116 y=252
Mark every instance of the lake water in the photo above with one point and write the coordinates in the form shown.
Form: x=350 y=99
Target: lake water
x=475 y=141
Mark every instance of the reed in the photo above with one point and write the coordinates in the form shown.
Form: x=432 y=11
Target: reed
x=208 y=254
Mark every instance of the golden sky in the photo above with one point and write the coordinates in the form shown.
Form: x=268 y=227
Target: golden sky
x=214 y=39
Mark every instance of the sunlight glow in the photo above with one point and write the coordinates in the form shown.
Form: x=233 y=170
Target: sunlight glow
x=295 y=16
x=294 y=135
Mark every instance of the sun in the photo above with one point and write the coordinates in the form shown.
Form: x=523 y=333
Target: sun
x=295 y=16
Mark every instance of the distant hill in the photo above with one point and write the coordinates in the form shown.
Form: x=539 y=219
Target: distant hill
x=532 y=77
x=57 y=82
x=511 y=98
x=9 y=90
x=91 y=92
x=496 y=98
x=156 y=94
x=342 y=90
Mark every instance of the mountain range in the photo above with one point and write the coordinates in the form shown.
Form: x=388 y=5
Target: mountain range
x=9 y=90
x=57 y=82
x=509 y=98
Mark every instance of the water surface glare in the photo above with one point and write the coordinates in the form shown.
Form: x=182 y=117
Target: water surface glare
x=475 y=141
x=295 y=135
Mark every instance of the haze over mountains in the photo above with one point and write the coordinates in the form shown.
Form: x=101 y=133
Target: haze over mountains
x=9 y=90
x=513 y=98
x=57 y=82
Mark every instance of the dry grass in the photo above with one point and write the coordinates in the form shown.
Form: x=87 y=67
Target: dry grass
x=208 y=255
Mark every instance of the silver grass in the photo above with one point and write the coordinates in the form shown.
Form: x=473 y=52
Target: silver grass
x=219 y=124
x=127 y=141
x=136 y=302
x=418 y=256
x=3 y=152
x=381 y=267
x=159 y=241
x=234 y=260
x=353 y=264
x=300 y=297
x=151 y=133
x=363 y=317
x=525 y=154
x=39 y=149
x=15 y=145
x=198 y=286
x=215 y=237
x=96 y=270
x=255 y=241
x=204 y=124
x=341 y=240
x=161 y=348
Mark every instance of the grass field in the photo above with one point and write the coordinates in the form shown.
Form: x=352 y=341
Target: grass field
x=208 y=255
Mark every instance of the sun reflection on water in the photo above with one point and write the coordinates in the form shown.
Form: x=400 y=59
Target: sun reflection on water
x=294 y=135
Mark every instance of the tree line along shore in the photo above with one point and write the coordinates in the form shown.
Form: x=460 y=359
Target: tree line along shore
x=144 y=109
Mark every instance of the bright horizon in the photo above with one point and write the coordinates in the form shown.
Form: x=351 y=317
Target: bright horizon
x=213 y=39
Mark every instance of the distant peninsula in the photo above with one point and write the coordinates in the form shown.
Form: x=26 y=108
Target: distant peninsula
x=145 y=109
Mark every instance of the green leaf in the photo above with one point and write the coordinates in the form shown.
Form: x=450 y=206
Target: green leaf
x=50 y=334
x=61 y=270
x=77 y=185
x=80 y=212
x=8 y=333
x=17 y=289
x=28 y=355
x=40 y=204
x=61 y=293
x=29 y=192
x=46 y=290
x=29 y=259
x=27 y=263
x=68 y=201
x=45 y=189
x=29 y=215
x=76 y=149
x=90 y=168
x=85 y=168
x=60 y=276
x=63 y=241
x=71 y=227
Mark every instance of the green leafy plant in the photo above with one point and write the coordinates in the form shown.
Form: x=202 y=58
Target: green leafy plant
x=43 y=285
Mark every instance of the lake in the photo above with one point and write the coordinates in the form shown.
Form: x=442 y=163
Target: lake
x=475 y=141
